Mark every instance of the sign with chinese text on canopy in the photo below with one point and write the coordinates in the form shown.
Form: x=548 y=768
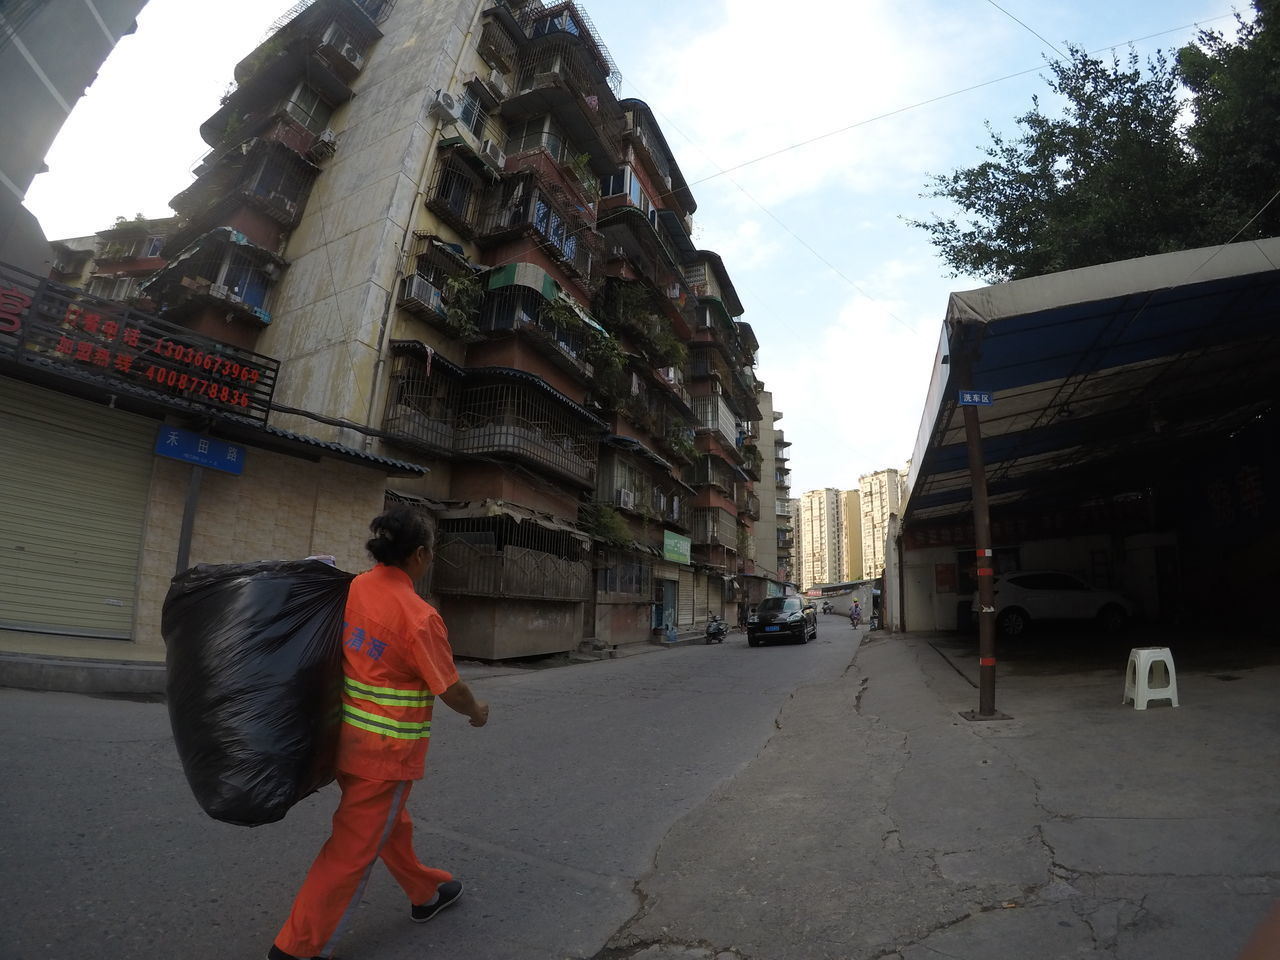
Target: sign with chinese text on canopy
x=975 y=398
x=675 y=548
x=62 y=329
x=178 y=444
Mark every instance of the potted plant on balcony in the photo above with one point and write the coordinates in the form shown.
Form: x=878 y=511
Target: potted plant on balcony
x=462 y=297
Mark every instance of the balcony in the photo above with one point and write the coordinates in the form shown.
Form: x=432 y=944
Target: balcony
x=519 y=309
x=528 y=209
x=753 y=461
x=506 y=557
x=457 y=193
x=422 y=400
x=713 y=526
x=221 y=268
x=551 y=160
x=749 y=505
x=786 y=543
x=518 y=416
x=558 y=77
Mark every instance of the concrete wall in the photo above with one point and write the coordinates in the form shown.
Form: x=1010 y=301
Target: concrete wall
x=281 y=508
x=623 y=621
x=330 y=307
x=497 y=629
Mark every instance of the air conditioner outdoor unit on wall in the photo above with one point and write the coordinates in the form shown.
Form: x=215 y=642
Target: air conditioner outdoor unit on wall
x=498 y=81
x=445 y=107
x=419 y=292
x=353 y=56
x=218 y=290
x=625 y=499
x=324 y=146
x=493 y=154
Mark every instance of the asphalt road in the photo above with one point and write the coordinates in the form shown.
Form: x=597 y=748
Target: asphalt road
x=550 y=814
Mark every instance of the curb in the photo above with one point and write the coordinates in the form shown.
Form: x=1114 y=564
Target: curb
x=49 y=674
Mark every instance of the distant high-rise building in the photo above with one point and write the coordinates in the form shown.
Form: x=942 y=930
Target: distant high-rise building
x=851 y=514
x=823 y=532
x=881 y=495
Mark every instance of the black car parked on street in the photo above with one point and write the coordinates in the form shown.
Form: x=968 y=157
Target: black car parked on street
x=782 y=618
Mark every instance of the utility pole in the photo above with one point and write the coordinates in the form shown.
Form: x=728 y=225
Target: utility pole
x=969 y=400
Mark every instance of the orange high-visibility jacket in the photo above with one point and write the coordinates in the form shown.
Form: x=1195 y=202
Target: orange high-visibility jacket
x=396 y=659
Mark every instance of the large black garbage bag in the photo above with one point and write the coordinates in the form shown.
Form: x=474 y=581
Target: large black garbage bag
x=254 y=655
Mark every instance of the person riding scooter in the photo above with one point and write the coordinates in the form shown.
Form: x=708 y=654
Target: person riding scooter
x=716 y=629
x=855 y=614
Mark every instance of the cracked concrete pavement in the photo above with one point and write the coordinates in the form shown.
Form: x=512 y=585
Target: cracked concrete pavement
x=878 y=825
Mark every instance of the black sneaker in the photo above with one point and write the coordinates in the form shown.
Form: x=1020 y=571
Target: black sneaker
x=447 y=894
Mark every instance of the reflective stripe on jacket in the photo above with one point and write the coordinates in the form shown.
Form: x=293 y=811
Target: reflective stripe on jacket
x=400 y=712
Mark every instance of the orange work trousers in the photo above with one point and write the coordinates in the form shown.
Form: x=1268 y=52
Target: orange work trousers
x=370 y=822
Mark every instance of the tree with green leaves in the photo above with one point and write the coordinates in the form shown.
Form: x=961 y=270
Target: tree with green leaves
x=1235 y=133
x=1105 y=180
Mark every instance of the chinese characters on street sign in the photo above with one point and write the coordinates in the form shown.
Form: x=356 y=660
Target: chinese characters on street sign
x=178 y=444
x=975 y=398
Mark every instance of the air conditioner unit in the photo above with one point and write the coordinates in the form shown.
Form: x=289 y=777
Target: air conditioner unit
x=625 y=499
x=672 y=375
x=420 y=293
x=324 y=145
x=262 y=315
x=493 y=154
x=219 y=290
x=445 y=107
x=353 y=56
x=498 y=81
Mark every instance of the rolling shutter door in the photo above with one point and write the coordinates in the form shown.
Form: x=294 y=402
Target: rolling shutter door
x=686 y=597
x=74 y=482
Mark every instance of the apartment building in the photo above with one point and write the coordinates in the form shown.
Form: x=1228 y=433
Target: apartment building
x=440 y=252
x=881 y=497
x=113 y=263
x=773 y=534
x=823 y=530
x=851 y=535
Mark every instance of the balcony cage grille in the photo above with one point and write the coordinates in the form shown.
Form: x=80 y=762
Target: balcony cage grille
x=715 y=526
x=623 y=573
x=504 y=557
x=566 y=232
x=520 y=308
x=456 y=194
x=519 y=420
x=540 y=19
x=711 y=470
x=421 y=405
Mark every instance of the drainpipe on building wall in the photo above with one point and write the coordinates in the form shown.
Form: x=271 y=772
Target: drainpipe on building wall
x=380 y=364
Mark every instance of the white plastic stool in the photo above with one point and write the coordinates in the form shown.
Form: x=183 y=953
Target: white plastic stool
x=1150 y=676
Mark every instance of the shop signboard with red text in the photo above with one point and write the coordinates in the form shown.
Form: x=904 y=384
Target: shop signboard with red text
x=64 y=330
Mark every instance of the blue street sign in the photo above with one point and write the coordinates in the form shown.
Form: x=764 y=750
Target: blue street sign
x=975 y=398
x=178 y=444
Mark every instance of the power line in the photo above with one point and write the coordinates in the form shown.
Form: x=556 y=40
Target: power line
x=938 y=99
x=1024 y=26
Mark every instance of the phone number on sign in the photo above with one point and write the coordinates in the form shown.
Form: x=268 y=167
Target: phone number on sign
x=211 y=363
x=189 y=383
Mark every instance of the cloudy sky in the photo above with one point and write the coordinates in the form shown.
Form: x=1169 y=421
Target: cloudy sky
x=846 y=299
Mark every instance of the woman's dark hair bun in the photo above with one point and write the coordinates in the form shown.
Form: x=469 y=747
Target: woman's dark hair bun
x=396 y=534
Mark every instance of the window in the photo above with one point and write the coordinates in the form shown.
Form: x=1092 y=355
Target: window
x=338 y=38
x=614 y=184
x=474 y=115
x=561 y=22
x=309 y=108
x=246 y=279
x=153 y=246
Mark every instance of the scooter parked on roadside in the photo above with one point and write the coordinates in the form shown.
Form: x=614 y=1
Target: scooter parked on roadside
x=716 y=629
